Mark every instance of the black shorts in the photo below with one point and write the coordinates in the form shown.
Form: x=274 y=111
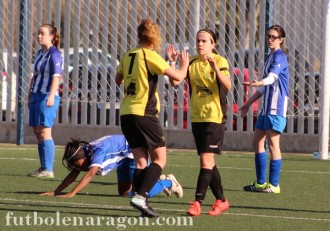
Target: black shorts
x=208 y=136
x=142 y=131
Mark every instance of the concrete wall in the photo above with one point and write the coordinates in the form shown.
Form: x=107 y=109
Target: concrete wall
x=181 y=139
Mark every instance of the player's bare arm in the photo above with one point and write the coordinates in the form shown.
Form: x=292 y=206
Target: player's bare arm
x=65 y=183
x=85 y=180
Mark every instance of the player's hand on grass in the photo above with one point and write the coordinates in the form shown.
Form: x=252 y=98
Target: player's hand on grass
x=49 y=194
x=67 y=195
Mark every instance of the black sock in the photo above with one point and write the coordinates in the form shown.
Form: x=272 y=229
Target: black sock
x=216 y=185
x=137 y=178
x=202 y=184
x=150 y=178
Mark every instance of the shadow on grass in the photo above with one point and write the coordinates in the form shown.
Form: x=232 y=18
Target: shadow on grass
x=279 y=209
x=78 y=194
x=243 y=207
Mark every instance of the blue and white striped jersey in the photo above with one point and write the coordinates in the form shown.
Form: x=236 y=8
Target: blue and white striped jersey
x=47 y=65
x=276 y=94
x=109 y=152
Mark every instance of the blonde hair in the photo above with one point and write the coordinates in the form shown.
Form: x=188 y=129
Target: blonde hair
x=149 y=34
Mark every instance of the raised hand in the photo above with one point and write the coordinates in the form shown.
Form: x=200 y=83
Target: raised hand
x=172 y=53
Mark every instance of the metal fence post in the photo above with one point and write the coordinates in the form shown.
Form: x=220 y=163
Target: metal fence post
x=21 y=70
x=325 y=94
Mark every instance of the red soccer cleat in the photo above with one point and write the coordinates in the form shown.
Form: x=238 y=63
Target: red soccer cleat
x=195 y=209
x=218 y=207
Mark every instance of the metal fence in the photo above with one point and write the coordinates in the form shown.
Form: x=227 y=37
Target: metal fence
x=96 y=33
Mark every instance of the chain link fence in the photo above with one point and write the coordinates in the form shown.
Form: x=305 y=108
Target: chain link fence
x=96 y=33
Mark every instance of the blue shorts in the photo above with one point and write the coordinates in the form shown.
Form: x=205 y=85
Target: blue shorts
x=125 y=171
x=40 y=114
x=274 y=122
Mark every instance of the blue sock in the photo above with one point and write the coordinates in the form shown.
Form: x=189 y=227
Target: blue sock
x=41 y=156
x=274 y=171
x=261 y=167
x=49 y=154
x=159 y=187
x=131 y=193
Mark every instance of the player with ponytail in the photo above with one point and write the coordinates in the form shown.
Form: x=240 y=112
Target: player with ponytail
x=43 y=97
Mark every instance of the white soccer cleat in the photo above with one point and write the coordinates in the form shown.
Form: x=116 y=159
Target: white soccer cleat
x=176 y=187
x=41 y=173
x=36 y=172
x=162 y=177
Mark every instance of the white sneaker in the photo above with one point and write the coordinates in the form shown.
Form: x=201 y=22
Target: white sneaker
x=167 y=191
x=162 y=177
x=42 y=173
x=176 y=187
x=36 y=172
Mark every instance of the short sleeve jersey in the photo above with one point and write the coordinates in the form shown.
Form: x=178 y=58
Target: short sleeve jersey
x=109 y=152
x=46 y=66
x=276 y=94
x=140 y=68
x=208 y=97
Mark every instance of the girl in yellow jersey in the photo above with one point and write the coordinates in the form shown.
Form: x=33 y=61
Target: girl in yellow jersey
x=209 y=81
x=139 y=69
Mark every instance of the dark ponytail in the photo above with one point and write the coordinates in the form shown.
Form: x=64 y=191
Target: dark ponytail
x=75 y=150
x=53 y=31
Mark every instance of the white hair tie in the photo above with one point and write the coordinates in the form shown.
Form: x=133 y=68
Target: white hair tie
x=75 y=153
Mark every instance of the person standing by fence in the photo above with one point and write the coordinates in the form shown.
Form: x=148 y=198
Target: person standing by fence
x=139 y=69
x=272 y=119
x=43 y=98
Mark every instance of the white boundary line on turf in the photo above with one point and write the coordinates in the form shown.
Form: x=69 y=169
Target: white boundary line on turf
x=279 y=217
x=14 y=158
x=189 y=166
x=97 y=206
x=16 y=148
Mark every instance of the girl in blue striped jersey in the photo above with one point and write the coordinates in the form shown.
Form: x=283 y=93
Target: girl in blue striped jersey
x=102 y=156
x=43 y=98
x=272 y=119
